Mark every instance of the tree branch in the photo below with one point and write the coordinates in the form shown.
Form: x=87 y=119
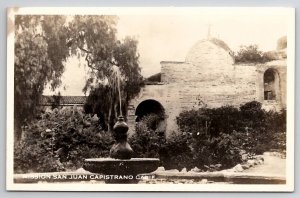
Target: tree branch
x=40 y=35
x=86 y=58
x=85 y=50
x=89 y=63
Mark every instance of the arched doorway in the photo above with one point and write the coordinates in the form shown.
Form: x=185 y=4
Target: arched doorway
x=271 y=85
x=155 y=111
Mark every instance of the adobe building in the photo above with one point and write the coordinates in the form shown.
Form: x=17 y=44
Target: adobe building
x=208 y=77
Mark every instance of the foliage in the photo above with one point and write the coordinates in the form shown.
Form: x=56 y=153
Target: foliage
x=189 y=150
x=208 y=121
x=112 y=62
x=185 y=150
x=146 y=141
x=176 y=153
x=213 y=139
x=255 y=127
x=251 y=54
x=61 y=140
x=97 y=103
x=40 y=52
x=44 y=42
x=222 y=149
x=56 y=101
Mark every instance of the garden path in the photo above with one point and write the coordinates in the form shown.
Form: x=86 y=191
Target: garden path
x=273 y=165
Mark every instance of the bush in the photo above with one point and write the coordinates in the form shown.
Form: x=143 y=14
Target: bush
x=185 y=150
x=60 y=140
x=211 y=150
x=174 y=153
x=146 y=141
x=250 y=127
x=211 y=138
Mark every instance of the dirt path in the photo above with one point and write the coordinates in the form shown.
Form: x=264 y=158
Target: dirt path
x=273 y=165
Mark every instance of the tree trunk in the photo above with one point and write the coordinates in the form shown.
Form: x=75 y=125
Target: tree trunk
x=17 y=131
x=109 y=118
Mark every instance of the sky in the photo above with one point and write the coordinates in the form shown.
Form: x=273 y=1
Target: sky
x=169 y=38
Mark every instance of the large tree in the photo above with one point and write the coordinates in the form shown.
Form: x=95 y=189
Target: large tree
x=40 y=52
x=113 y=63
x=43 y=44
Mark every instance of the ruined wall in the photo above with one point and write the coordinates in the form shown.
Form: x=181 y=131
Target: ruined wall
x=280 y=68
x=155 y=92
x=245 y=83
x=208 y=78
x=188 y=86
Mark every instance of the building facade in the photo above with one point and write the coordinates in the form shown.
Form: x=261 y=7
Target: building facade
x=209 y=78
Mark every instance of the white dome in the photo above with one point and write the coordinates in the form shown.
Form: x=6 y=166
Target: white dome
x=210 y=52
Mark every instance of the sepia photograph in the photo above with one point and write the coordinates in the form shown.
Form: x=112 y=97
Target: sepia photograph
x=150 y=99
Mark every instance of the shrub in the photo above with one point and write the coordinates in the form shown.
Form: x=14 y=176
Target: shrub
x=176 y=153
x=250 y=127
x=211 y=150
x=212 y=137
x=199 y=150
x=209 y=121
x=61 y=140
x=185 y=150
x=146 y=141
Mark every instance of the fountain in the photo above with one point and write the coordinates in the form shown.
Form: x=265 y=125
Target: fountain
x=120 y=167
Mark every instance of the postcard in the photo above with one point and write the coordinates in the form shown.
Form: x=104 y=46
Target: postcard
x=150 y=99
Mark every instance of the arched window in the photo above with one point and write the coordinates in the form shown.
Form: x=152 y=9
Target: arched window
x=271 y=85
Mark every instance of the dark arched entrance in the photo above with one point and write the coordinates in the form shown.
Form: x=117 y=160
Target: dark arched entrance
x=148 y=107
x=155 y=109
x=271 y=85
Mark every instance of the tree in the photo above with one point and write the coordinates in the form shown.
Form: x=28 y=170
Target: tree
x=42 y=45
x=251 y=54
x=56 y=100
x=113 y=64
x=40 y=52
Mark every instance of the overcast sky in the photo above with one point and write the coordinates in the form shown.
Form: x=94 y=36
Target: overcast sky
x=169 y=38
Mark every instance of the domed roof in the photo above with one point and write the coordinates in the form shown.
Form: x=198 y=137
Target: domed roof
x=209 y=51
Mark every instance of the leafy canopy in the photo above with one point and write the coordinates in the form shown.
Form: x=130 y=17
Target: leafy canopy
x=43 y=44
x=40 y=53
x=251 y=54
x=113 y=63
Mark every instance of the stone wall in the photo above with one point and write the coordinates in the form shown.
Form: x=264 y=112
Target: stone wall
x=280 y=68
x=149 y=92
x=210 y=81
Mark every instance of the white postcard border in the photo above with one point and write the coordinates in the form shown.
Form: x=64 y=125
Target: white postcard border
x=10 y=185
